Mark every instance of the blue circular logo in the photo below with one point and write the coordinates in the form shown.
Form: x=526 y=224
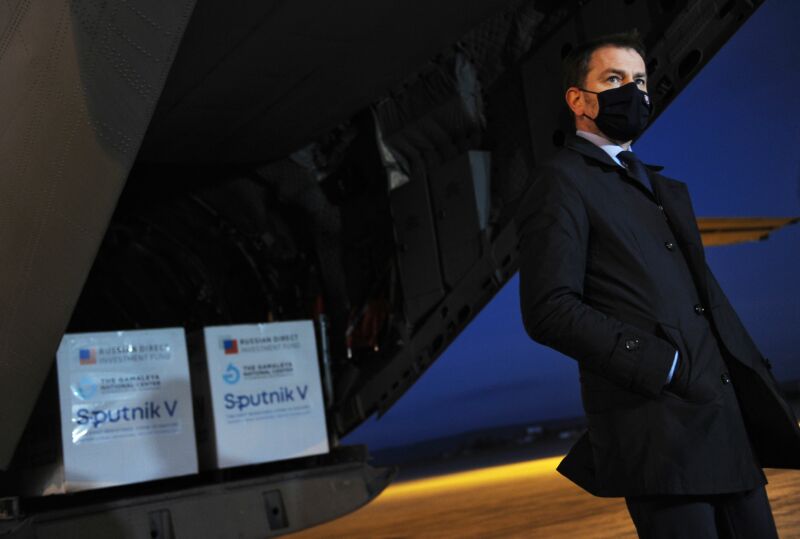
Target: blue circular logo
x=231 y=374
x=86 y=388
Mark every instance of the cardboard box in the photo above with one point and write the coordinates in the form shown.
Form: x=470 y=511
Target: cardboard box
x=266 y=394
x=126 y=409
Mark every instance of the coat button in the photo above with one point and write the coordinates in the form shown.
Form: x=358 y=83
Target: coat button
x=725 y=378
x=669 y=245
x=632 y=344
x=660 y=208
x=699 y=309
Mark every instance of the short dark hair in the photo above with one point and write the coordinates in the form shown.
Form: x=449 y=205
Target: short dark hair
x=576 y=64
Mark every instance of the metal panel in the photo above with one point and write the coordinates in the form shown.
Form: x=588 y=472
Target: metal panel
x=262 y=506
x=418 y=257
x=78 y=85
x=454 y=191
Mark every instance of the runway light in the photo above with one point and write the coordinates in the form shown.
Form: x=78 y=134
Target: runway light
x=471 y=478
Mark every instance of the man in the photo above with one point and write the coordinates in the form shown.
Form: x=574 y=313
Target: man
x=682 y=409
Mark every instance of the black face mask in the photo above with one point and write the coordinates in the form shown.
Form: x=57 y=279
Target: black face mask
x=624 y=111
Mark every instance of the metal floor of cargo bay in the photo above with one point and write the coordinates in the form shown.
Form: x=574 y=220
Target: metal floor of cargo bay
x=524 y=499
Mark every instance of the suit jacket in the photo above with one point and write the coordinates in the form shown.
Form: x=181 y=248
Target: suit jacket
x=614 y=276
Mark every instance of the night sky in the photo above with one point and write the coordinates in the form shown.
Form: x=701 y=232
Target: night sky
x=733 y=135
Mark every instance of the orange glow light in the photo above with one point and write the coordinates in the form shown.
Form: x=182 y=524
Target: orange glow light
x=471 y=478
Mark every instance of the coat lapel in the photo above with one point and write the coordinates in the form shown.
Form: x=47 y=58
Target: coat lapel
x=670 y=194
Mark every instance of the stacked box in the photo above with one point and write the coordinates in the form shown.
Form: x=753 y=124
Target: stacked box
x=266 y=395
x=126 y=408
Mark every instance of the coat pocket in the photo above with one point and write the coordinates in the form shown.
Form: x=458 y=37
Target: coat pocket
x=685 y=385
x=683 y=369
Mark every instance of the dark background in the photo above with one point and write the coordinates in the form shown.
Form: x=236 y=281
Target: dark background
x=733 y=136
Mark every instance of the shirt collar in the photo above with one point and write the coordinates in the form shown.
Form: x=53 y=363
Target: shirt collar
x=611 y=148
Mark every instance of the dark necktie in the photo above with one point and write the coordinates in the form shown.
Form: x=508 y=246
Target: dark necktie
x=635 y=168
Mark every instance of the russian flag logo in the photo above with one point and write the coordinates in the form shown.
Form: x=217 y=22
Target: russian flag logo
x=231 y=346
x=87 y=356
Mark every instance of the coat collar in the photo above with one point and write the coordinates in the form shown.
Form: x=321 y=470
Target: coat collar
x=596 y=154
x=592 y=151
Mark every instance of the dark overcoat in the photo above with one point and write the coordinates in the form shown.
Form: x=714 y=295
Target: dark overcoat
x=614 y=275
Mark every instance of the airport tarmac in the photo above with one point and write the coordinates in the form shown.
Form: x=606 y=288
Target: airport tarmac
x=518 y=499
x=515 y=491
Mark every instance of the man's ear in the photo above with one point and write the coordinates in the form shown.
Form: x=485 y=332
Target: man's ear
x=574 y=99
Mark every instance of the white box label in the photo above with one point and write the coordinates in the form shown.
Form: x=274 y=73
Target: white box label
x=266 y=392
x=126 y=407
